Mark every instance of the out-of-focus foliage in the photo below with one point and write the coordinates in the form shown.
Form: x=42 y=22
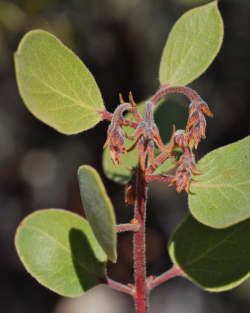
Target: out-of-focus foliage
x=192 y=2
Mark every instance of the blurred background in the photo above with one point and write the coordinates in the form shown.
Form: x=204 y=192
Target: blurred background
x=121 y=42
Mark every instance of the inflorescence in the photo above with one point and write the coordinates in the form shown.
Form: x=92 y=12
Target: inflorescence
x=147 y=135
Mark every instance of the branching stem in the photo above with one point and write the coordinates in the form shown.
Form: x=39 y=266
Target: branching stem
x=118 y=286
x=127 y=227
x=105 y=115
x=174 y=271
x=160 y=159
x=160 y=178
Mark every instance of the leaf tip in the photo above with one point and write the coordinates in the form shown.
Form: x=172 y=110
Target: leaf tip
x=113 y=256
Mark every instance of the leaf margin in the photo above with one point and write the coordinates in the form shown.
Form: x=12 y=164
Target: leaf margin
x=21 y=224
x=175 y=25
x=17 y=72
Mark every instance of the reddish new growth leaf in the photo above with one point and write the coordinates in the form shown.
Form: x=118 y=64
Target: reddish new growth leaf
x=196 y=122
x=130 y=189
x=148 y=134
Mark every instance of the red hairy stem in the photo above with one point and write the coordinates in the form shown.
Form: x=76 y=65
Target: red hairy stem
x=161 y=178
x=160 y=159
x=174 y=271
x=118 y=286
x=127 y=227
x=141 y=294
x=105 y=115
x=192 y=95
x=131 y=123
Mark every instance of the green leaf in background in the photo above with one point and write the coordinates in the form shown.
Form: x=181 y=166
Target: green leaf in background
x=167 y=113
x=59 y=249
x=220 y=197
x=98 y=209
x=192 y=2
x=215 y=259
x=12 y=17
x=192 y=45
x=55 y=85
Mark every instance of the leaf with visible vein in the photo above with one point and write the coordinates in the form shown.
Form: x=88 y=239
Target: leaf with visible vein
x=55 y=85
x=215 y=259
x=220 y=197
x=59 y=249
x=192 y=45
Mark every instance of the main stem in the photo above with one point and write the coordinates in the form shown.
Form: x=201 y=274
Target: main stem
x=141 y=293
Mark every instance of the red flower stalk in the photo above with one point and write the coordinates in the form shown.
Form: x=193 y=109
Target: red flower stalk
x=196 y=122
x=148 y=133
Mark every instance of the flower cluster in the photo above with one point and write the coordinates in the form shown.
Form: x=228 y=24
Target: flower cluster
x=148 y=134
x=187 y=162
x=116 y=133
x=179 y=138
x=196 y=129
x=185 y=170
x=196 y=122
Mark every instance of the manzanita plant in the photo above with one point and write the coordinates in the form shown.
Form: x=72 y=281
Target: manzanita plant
x=67 y=253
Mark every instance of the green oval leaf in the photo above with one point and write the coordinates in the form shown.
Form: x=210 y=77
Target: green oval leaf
x=215 y=259
x=59 y=249
x=220 y=197
x=55 y=85
x=192 y=45
x=98 y=209
x=167 y=113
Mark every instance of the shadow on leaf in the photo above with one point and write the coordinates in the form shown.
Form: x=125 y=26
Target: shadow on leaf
x=89 y=269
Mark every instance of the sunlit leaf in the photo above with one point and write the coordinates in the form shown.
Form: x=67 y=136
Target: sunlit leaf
x=55 y=85
x=192 y=45
x=220 y=196
x=215 y=259
x=98 y=209
x=59 y=249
